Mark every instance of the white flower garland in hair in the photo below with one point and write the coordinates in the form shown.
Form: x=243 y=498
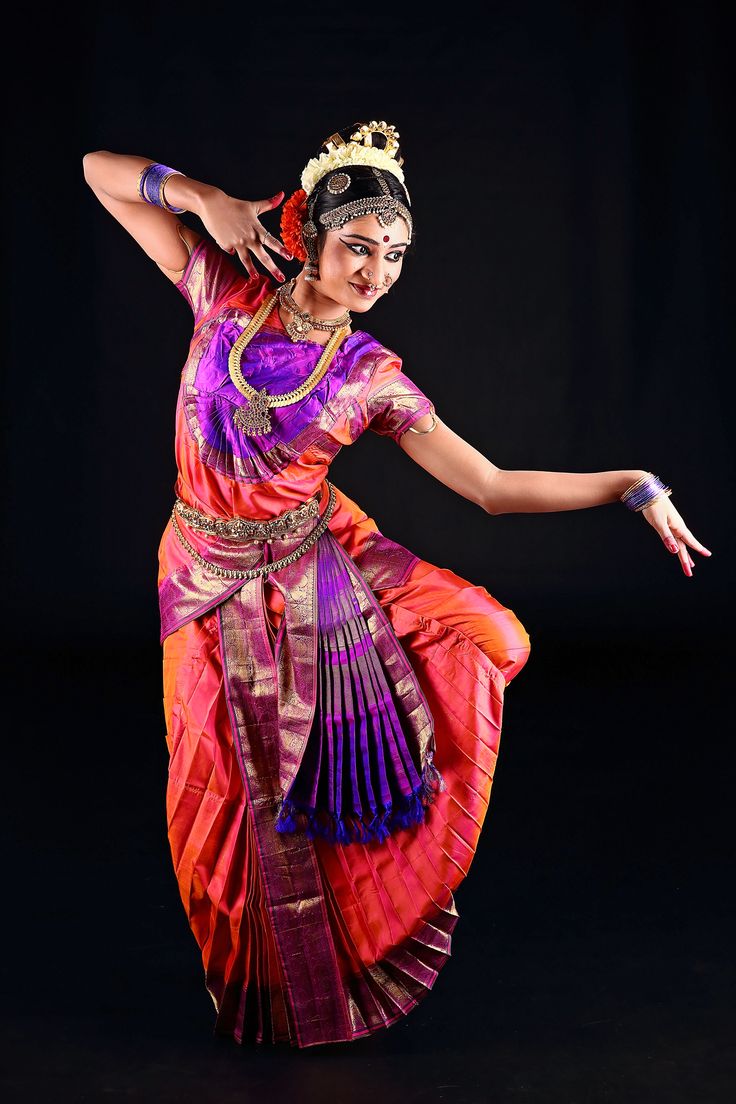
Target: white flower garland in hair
x=351 y=154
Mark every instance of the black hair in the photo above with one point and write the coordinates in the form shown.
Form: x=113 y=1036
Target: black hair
x=363 y=183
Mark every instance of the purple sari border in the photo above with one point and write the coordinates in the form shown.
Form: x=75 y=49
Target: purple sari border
x=288 y=864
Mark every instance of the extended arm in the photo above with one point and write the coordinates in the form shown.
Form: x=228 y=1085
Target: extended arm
x=449 y=458
x=460 y=466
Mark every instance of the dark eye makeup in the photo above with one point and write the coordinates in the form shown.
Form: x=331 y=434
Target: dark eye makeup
x=398 y=253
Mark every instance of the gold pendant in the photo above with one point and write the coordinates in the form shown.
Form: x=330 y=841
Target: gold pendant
x=298 y=328
x=255 y=418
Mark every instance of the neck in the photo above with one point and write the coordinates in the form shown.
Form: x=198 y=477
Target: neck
x=310 y=298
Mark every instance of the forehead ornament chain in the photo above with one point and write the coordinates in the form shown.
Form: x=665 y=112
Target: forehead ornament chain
x=386 y=207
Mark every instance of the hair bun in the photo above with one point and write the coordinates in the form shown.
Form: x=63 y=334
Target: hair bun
x=376 y=134
x=375 y=143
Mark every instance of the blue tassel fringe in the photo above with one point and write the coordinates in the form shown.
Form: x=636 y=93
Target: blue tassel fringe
x=353 y=828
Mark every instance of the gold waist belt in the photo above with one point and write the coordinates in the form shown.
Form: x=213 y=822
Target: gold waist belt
x=248 y=529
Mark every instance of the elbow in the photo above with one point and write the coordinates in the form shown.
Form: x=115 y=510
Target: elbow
x=89 y=161
x=491 y=498
x=87 y=166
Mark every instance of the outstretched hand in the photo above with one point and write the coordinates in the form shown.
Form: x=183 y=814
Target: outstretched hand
x=675 y=534
x=234 y=225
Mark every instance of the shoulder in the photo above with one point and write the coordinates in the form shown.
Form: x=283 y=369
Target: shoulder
x=394 y=401
x=211 y=280
x=380 y=350
x=387 y=364
x=384 y=359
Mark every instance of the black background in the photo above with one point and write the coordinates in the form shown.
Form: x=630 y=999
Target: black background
x=569 y=307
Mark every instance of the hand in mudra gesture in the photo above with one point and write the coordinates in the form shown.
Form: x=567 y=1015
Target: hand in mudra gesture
x=675 y=534
x=234 y=225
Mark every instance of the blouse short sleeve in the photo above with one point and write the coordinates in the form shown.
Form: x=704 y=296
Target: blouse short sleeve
x=208 y=278
x=394 y=401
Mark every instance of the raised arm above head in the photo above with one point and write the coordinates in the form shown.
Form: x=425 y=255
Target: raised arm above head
x=115 y=178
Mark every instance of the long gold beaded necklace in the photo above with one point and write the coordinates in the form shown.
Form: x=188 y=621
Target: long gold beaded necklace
x=254 y=418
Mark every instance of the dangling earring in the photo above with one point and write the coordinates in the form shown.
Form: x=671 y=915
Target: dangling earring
x=309 y=237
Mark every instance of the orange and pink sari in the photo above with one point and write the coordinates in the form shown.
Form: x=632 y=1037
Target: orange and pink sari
x=333 y=726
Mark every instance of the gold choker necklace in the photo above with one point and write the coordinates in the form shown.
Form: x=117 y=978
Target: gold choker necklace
x=254 y=418
x=302 y=321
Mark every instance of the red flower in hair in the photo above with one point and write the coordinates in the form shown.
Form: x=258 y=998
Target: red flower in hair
x=293 y=217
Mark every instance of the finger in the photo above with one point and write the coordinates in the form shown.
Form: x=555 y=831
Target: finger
x=247 y=262
x=669 y=539
x=681 y=554
x=272 y=242
x=685 y=534
x=259 y=252
x=269 y=204
x=684 y=558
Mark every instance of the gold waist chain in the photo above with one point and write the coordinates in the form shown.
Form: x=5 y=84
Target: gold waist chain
x=277 y=524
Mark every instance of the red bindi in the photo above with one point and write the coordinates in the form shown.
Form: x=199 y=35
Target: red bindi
x=386 y=237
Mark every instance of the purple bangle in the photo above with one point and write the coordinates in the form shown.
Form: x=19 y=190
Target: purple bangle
x=151 y=186
x=642 y=493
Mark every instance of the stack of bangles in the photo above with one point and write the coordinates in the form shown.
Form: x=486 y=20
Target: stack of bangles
x=644 y=492
x=151 y=183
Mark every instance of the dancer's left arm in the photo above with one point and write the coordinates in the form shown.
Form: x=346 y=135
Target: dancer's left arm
x=460 y=466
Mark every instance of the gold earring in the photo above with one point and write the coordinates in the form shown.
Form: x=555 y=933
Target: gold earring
x=309 y=237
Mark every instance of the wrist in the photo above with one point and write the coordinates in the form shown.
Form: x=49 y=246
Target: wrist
x=627 y=478
x=205 y=195
x=192 y=195
x=644 y=492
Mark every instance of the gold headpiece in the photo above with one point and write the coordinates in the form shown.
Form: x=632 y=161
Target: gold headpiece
x=359 y=150
x=339 y=154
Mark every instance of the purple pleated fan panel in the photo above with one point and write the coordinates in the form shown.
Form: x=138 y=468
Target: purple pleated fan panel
x=357 y=780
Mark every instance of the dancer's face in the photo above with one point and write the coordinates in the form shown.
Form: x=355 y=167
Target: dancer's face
x=362 y=253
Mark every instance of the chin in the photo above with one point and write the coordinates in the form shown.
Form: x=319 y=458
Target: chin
x=360 y=308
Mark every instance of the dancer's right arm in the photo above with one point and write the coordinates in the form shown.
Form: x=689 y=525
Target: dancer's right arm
x=233 y=223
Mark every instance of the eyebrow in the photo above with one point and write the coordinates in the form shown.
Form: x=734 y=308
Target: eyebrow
x=363 y=238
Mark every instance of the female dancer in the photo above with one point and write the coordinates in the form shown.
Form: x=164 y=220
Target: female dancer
x=333 y=702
